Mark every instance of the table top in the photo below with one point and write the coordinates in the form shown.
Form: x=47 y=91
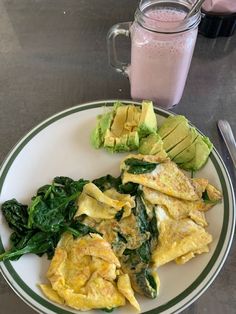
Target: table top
x=53 y=56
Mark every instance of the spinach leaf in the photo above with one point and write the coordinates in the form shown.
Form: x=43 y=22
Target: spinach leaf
x=137 y=166
x=49 y=215
x=141 y=255
x=121 y=238
x=38 y=227
x=119 y=214
x=106 y=309
x=78 y=229
x=141 y=214
x=107 y=182
x=16 y=215
x=70 y=186
x=145 y=283
x=153 y=229
x=38 y=243
x=128 y=188
x=144 y=252
x=55 y=204
x=136 y=262
x=206 y=198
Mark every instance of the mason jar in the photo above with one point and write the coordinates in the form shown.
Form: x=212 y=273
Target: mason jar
x=162 y=45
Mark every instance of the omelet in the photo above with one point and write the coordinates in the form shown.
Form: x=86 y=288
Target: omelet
x=178 y=240
x=157 y=158
x=83 y=274
x=127 y=228
x=96 y=204
x=177 y=208
x=124 y=286
x=166 y=178
x=163 y=221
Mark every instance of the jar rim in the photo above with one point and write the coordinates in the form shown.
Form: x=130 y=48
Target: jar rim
x=167 y=27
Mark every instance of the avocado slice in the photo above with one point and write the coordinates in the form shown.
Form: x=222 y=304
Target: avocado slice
x=133 y=140
x=148 y=122
x=95 y=137
x=103 y=124
x=170 y=124
x=151 y=145
x=109 y=140
x=186 y=142
x=119 y=120
x=187 y=154
x=176 y=136
x=203 y=148
x=122 y=143
x=133 y=116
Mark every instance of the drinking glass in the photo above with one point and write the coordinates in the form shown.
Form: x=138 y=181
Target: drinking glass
x=162 y=45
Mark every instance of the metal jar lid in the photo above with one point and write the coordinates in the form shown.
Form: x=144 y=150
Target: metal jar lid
x=217 y=24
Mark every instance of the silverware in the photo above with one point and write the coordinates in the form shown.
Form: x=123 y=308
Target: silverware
x=196 y=6
x=228 y=137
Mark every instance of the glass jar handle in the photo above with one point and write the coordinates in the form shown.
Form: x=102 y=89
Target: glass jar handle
x=116 y=30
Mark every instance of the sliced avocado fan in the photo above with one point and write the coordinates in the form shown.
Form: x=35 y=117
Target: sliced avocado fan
x=177 y=135
x=131 y=127
x=202 y=148
x=184 y=144
x=170 y=124
x=151 y=145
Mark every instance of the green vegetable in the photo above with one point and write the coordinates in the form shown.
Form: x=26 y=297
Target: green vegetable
x=121 y=128
x=16 y=215
x=151 y=145
x=79 y=229
x=108 y=182
x=121 y=237
x=137 y=261
x=145 y=283
x=148 y=120
x=119 y=214
x=128 y=188
x=206 y=198
x=140 y=212
x=37 y=243
x=39 y=226
x=137 y=166
x=153 y=231
x=108 y=310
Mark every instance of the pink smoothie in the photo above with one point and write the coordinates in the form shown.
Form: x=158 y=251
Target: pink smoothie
x=220 y=6
x=160 y=62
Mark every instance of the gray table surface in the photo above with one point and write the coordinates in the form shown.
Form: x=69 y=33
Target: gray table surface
x=53 y=56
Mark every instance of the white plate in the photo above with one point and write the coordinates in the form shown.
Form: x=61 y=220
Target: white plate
x=60 y=146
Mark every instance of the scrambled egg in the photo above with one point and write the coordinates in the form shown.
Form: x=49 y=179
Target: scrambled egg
x=166 y=178
x=177 y=208
x=83 y=273
x=96 y=204
x=179 y=240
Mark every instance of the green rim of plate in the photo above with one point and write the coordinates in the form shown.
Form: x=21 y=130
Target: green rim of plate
x=13 y=278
